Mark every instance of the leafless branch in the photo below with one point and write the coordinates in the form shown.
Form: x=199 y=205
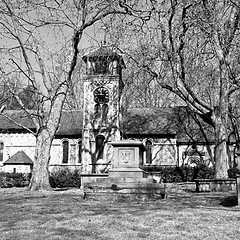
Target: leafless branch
x=18 y=124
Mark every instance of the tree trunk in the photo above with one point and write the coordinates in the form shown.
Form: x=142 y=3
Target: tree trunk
x=45 y=136
x=40 y=175
x=221 y=153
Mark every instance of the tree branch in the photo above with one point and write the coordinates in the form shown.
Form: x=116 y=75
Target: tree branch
x=18 y=124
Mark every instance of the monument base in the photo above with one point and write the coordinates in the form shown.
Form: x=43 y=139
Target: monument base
x=121 y=186
x=126 y=180
x=116 y=189
x=134 y=173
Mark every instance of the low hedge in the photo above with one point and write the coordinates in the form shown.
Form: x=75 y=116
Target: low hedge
x=64 y=178
x=233 y=172
x=181 y=174
x=58 y=179
x=8 y=180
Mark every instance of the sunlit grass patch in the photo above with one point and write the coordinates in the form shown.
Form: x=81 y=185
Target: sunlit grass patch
x=65 y=215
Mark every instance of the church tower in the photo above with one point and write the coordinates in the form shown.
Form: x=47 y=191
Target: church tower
x=102 y=89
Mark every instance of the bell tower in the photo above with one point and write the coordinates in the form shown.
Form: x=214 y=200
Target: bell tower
x=102 y=90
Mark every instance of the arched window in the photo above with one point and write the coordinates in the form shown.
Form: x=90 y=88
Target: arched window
x=65 y=147
x=99 y=146
x=104 y=112
x=149 y=151
x=1 y=151
x=79 y=149
x=97 y=111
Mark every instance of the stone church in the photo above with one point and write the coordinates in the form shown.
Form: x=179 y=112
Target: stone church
x=83 y=140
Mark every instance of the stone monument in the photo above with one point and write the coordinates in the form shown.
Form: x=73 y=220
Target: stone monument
x=126 y=178
x=127 y=157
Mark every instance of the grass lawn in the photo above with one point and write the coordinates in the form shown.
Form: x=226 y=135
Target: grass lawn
x=65 y=215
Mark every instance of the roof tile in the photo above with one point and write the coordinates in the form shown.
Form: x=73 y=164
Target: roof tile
x=19 y=158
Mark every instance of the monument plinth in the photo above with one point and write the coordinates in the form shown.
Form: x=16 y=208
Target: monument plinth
x=126 y=179
x=127 y=157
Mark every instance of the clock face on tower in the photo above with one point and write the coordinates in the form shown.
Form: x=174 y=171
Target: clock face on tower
x=101 y=95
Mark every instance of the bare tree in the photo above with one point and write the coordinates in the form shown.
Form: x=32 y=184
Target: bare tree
x=191 y=48
x=143 y=91
x=41 y=47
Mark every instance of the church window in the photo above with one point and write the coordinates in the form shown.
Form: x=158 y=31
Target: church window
x=1 y=151
x=99 y=146
x=104 y=112
x=79 y=151
x=149 y=151
x=97 y=111
x=65 y=147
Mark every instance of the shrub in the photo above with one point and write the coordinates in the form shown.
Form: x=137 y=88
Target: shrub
x=233 y=172
x=64 y=178
x=181 y=174
x=170 y=174
x=206 y=172
x=8 y=180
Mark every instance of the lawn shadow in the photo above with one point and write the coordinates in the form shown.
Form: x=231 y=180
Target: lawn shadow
x=203 y=199
x=230 y=201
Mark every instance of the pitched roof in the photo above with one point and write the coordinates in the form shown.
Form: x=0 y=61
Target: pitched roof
x=19 y=158
x=70 y=122
x=165 y=122
x=17 y=116
x=174 y=122
x=149 y=121
x=104 y=52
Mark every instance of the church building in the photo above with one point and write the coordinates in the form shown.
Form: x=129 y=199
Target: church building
x=83 y=140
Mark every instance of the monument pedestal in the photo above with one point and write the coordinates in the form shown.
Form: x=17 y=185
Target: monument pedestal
x=122 y=173
x=126 y=178
x=128 y=155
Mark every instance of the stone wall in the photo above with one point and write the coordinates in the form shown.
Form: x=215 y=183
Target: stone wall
x=17 y=168
x=56 y=161
x=26 y=142
x=164 y=152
